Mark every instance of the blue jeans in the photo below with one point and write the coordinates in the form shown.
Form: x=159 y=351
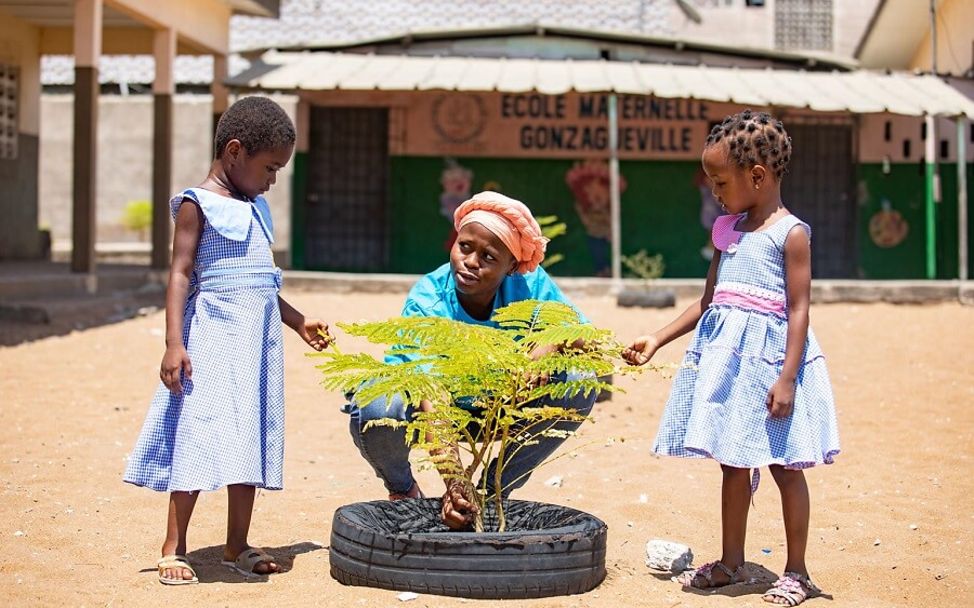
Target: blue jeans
x=385 y=448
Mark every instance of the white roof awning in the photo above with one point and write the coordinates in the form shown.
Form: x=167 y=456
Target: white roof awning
x=859 y=92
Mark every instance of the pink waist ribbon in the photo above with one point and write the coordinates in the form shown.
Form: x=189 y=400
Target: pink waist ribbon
x=748 y=302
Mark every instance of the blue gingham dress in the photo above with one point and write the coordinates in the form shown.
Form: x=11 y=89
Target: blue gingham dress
x=717 y=406
x=228 y=425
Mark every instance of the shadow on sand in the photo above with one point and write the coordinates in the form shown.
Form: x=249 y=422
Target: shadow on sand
x=206 y=562
x=757 y=580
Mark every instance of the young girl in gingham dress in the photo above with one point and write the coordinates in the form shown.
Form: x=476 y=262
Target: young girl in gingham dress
x=217 y=418
x=753 y=389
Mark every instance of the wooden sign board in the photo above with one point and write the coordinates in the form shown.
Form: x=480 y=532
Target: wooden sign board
x=574 y=125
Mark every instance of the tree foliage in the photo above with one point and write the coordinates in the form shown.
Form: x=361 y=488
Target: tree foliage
x=492 y=368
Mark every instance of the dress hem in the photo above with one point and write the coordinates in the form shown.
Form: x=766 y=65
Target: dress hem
x=826 y=459
x=257 y=484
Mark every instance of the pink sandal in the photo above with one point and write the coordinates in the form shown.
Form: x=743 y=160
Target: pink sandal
x=691 y=578
x=793 y=588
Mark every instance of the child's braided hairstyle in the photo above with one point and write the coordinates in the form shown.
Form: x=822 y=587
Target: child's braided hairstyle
x=754 y=139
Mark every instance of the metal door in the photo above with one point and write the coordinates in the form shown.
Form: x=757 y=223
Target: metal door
x=347 y=189
x=820 y=189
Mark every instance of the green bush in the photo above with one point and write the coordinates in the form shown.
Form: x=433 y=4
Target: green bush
x=137 y=217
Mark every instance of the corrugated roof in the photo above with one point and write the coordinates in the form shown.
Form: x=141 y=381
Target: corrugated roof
x=858 y=92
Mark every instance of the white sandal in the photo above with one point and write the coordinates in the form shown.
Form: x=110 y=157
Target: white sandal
x=176 y=562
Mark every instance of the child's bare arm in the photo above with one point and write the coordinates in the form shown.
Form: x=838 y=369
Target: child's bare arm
x=798 y=284
x=644 y=347
x=312 y=331
x=186 y=238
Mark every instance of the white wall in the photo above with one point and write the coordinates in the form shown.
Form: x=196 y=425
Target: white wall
x=873 y=147
x=125 y=161
x=736 y=24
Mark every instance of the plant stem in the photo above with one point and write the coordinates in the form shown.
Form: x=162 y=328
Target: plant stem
x=498 y=493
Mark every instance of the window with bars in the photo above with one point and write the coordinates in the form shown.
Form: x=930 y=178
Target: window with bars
x=803 y=25
x=346 y=207
x=8 y=112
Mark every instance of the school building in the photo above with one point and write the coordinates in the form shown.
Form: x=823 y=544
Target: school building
x=393 y=134
x=396 y=128
x=86 y=30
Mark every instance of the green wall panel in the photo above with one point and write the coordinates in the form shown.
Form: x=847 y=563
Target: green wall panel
x=299 y=188
x=660 y=211
x=902 y=189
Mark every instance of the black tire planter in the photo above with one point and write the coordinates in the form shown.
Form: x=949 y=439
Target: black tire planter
x=547 y=550
x=646 y=298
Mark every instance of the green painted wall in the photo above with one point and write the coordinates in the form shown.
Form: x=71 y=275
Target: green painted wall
x=299 y=189
x=660 y=211
x=903 y=188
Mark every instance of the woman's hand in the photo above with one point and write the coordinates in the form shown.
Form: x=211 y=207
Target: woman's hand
x=533 y=381
x=781 y=398
x=315 y=333
x=175 y=360
x=459 y=507
x=641 y=350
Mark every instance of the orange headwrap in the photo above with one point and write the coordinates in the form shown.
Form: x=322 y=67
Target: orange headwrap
x=511 y=221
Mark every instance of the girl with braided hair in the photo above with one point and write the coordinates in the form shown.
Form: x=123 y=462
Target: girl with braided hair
x=753 y=389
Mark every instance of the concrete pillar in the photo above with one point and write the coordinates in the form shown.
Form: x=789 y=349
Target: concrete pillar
x=221 y=96
x=87 y=50
x=163 y=87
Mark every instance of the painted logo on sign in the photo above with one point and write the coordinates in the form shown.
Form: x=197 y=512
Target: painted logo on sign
x=459 y=118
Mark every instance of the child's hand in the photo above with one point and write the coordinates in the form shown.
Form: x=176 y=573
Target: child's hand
x=781 y=398
x=175 y=360
x=315 y=333
x=641 y=350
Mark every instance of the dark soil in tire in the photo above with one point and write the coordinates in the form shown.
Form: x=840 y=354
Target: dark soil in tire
x=547 y=550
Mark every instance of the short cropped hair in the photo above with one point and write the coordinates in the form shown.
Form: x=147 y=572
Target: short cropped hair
x=258 y=123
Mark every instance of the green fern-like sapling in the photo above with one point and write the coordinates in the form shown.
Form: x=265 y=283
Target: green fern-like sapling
x=496 y=369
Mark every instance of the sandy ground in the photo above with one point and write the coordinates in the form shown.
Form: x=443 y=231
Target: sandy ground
x=891 y=521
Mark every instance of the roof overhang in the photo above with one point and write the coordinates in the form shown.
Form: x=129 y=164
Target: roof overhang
x=407 y=38
x=128 y=26
x=859 y=92
x=895 y=31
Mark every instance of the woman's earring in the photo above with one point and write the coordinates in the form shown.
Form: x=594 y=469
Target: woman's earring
x=757 y=187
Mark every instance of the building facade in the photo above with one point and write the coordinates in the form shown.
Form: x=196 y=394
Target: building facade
x=377 y=176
